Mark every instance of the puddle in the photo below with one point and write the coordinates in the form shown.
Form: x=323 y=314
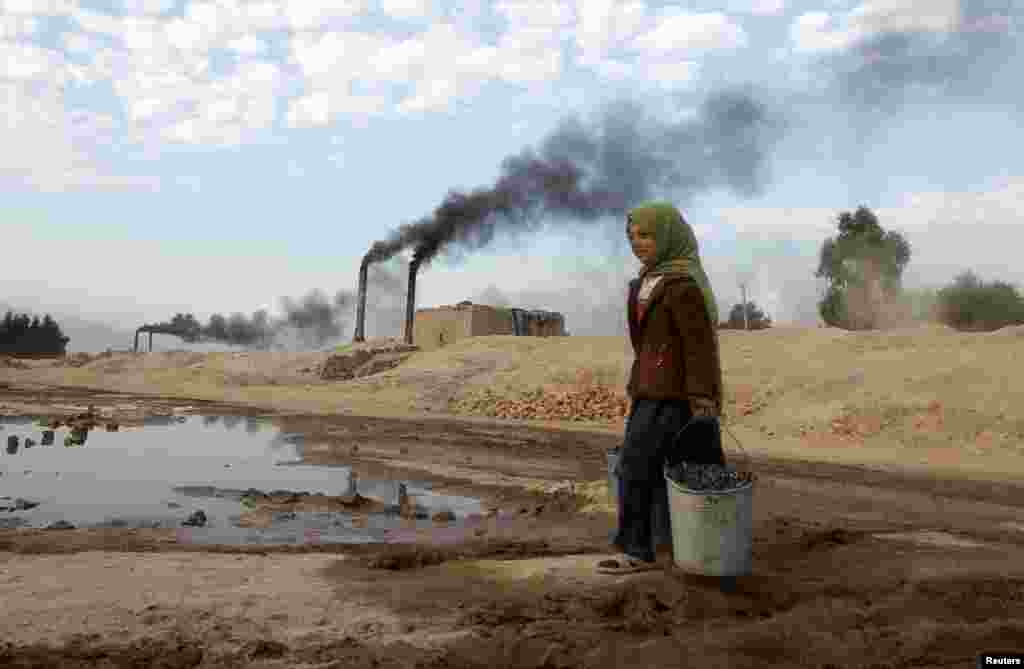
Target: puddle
x=159 y=474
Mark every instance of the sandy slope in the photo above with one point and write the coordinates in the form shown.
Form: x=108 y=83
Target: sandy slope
x=918 y=396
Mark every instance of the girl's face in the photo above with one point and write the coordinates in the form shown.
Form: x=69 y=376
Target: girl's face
x=643 y=242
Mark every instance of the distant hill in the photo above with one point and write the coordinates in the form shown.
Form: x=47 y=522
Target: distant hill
x=86 y=336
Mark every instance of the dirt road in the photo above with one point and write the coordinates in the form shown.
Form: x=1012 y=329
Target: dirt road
x=852 y=567
x=888 y=518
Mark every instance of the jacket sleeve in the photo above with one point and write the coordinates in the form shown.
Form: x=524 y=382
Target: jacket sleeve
x=631 y=324
x=690 y=316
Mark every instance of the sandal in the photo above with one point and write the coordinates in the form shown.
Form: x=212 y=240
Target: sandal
x=625 y=564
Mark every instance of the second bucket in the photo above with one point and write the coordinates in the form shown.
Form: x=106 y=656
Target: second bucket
x=661 y=522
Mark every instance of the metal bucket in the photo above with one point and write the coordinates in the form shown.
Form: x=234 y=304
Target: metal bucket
x=661 y=525
x=711 y=530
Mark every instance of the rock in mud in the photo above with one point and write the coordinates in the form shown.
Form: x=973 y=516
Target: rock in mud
x=12 y=523
x=18 y=504
x=197 y=519
x=445 y=516
x=60 y=525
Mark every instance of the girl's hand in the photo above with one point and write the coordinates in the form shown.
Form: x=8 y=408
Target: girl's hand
x=700 y=406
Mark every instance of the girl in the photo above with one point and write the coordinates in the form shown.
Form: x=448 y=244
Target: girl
x=676 y=373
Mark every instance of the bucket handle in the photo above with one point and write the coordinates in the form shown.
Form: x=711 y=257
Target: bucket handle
x=743 y=450
x=721 y=425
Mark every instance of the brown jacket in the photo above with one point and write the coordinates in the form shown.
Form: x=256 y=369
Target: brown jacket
x=676 y=354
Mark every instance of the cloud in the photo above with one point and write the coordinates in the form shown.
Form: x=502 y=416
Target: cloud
x=819 y=31
x=440 y=64
x=39 y=7
x=625 y=41
x=824 y=31
x=147 y=6
x=46 y=147
x=14 y=27
x=248 y=45
x=312 y=109
x=877 y=16
x=605 y=25
x=306 y=15
x=678 y=33
x=160 y=68
x=408 y=9
x=227 y=109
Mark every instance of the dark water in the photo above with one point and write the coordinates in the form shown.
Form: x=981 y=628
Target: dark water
x=159 y=474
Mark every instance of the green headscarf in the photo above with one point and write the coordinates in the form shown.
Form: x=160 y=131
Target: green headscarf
x=677 y=255
x=677 y=252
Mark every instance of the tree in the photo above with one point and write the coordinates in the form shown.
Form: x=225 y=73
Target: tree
x=30 y=335
x=756 y=318
x=972 y=304
x=863 y=265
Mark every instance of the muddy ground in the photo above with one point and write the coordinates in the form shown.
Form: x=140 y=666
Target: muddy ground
x=853 y=567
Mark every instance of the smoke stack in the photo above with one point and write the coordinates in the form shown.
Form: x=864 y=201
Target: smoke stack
x=410 y=304
x=360 y=334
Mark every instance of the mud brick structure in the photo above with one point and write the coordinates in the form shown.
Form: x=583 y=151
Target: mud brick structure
x=438 y=326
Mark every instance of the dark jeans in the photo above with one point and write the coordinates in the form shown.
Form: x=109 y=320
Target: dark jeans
x=650 y=442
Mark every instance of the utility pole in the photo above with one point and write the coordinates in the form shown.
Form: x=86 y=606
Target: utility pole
x=746 y=322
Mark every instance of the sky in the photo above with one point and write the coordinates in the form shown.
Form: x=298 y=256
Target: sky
x=215 y=156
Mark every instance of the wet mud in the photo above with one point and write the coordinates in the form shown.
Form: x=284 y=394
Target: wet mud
x=852 y=568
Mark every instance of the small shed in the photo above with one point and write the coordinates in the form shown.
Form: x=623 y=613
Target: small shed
x=437 y=326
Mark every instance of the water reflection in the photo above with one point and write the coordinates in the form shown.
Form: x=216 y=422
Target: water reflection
x=17 y=420
x=141 y=478
x=162 y=420
x=79 y=428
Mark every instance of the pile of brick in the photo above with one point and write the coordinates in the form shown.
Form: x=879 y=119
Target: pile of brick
x=591 y=403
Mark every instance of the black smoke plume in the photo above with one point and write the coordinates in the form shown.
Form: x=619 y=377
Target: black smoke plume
x=977 y=61
x=314 y=319
x=583 y=172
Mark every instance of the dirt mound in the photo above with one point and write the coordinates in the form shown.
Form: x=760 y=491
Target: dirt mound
x=12 y=363
x=364 y=359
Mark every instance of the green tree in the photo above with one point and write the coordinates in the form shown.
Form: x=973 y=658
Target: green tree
x=863 y=263
x=972 y=304
x=30 y=335
x=756 y=318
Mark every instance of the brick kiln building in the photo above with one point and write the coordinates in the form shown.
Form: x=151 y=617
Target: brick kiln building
x=438 y=326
